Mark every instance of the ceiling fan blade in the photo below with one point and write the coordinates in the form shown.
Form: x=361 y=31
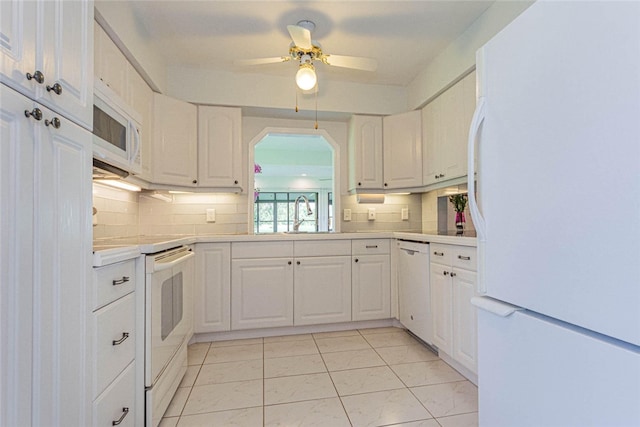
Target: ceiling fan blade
x=356 y=62
x=260 y=61
x=300 y=36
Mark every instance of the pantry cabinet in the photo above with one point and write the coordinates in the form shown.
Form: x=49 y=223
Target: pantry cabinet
x=365 y=153
x=47 y=54
x=445 y=127
x=220 y=147
x=45 y=245
x=402 y=136
x=175 y=142
x=213 y=287
x=453 y=284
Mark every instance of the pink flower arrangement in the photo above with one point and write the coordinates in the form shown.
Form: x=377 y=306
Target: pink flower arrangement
x=257 y=168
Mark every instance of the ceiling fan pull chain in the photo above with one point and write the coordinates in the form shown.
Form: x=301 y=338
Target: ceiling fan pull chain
x=316 y=126
x=296 y=86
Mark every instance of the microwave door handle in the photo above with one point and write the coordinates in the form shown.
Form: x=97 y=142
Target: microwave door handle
x=136 y=140
x=159 y=266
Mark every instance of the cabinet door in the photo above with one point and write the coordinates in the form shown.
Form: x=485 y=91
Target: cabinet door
x=18 y=47
x=174 y=142
x=365 y=152
x=261 y=293
x=441 y=301
x=67 y=58
x=322 y=290
x=141 y=99
x=110 y=63
x=464 y=319
x=219 y=147
x=459 y=104
x=371 y=287
x=16 y=255
x=431 y=137
x=212 y=302
x=62 y=295
x=402 y=150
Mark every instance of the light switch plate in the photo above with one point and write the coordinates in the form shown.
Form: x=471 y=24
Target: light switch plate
x=371 y=214
x=405 y=214
x=211 y=215
x=346 y=216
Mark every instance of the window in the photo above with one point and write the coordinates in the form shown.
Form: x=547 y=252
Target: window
x=274 y=212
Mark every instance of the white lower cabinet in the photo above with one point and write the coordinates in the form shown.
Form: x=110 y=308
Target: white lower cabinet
x=371 y=279
x=115 y=390
x=114 y=406
x=322 y=290
x=453 y=284
x=213 y=288
x=261 y=293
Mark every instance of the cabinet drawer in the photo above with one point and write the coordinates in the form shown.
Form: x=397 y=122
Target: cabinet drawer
x=440 y=253
x=322 y=248
x=261 y=250
x=110 y=406
x=370 y=246
x=113 y=349
x=464 y=257
x=113 y=281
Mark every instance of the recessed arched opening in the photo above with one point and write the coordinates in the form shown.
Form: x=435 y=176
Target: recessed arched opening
x=285 y=164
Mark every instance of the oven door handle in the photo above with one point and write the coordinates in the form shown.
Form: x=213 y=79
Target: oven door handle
x=159 y=266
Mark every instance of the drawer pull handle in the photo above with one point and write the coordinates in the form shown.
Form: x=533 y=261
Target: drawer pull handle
x=464 y=258
x=124 y=279
x=452 y=274
x=438 y=253
x=125 y=411
x=125 y=335
x=371 y=246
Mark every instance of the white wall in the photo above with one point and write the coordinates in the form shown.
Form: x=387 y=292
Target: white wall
x=460 y=56
x=252 y=126
x=204 y=86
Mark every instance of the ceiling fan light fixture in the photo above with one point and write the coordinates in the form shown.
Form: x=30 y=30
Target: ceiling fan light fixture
x=306 y=78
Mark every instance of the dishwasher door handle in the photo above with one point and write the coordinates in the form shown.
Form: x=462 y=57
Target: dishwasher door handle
x=409 y=251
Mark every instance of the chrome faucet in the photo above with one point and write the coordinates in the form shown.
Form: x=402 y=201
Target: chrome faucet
x=296 y=214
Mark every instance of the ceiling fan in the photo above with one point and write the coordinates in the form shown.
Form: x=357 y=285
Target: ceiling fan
x=305 y=50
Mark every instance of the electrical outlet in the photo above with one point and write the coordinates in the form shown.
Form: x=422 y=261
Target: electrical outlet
x=346 y=216
x=405 y=214
x=371 y=214
x=211 y=215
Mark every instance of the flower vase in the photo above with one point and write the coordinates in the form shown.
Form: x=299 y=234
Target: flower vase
x=460 y=222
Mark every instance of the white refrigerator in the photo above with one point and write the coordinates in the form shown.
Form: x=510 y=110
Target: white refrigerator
x=557 y=211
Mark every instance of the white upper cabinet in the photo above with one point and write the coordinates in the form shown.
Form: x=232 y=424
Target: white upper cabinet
x=47 y=54
x=402 y=135
x=110 y=64
x=140 y=97
x=365 y=153
x=175 y=143
x=445 y=125
x=220 y=147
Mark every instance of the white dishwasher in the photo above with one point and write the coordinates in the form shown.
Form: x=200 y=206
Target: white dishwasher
x=414 y=290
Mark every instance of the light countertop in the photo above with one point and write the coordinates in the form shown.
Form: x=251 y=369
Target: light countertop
x=106 y=251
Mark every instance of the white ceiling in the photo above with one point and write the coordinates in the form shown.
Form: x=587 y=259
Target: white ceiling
x=403 y=36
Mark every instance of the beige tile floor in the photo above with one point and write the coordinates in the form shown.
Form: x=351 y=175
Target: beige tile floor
x=367 y=377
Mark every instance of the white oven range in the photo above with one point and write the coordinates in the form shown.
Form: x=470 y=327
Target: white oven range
x=169 y=277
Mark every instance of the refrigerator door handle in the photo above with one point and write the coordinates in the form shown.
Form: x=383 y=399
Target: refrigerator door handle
x=493 y=306
x=478 y=118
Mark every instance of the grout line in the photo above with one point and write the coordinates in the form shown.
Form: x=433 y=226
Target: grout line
x=333 y=383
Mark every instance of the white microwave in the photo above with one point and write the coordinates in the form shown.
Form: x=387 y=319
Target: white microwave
x=116 y=130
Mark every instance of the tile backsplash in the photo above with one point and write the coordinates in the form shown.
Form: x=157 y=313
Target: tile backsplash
x=388 y=214
x=123 y=214
x=187 y=214
x=117 y=214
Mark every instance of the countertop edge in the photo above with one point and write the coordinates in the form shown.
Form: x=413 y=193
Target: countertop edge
x=112 y=255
